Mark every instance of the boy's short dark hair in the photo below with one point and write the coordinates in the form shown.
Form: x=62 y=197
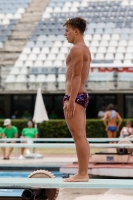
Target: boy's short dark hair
x=78 y=23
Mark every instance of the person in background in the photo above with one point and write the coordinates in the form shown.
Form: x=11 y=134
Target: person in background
x=111 y=126
x=126 y=130
x=26 y=114
x=15 y=114
x=9 y=132
x=2 y=136
x=53 y=115
x=28 y=133
x=2 y=116
x=102 y=112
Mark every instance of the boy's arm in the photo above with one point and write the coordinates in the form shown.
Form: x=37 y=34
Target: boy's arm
x=120 y=121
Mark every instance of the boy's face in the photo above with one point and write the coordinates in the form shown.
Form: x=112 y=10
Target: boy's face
x=70 y=33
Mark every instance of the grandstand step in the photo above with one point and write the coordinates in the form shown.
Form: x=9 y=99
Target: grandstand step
x=17 y=35
x=23 y=30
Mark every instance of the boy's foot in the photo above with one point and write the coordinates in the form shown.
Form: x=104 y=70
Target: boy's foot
x=77 y=178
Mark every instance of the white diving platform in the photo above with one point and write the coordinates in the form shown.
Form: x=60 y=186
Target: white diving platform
x=38 y=183
x=64 y=145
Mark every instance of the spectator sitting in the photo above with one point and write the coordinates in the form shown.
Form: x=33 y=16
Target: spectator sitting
x=2 y=116
x=52 y=115
x=26 y=114
x=29 y=132
x=1 y=136
x=15 y=114
x=10 y=132
x=126 y=130
x=102 y=112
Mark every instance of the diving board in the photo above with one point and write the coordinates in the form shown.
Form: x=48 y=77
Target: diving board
x=64 y=145
x=64 y=139
x=37 y=183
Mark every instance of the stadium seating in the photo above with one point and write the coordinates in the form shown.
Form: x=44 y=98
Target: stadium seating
x=109 y=35
x=10 y=13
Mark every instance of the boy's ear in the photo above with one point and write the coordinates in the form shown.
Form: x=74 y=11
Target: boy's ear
x=76 y=31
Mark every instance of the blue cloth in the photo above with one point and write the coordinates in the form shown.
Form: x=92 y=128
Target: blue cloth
x=112 y=128
x=112 y=114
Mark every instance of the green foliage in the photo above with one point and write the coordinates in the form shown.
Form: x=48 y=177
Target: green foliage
x=58 y=128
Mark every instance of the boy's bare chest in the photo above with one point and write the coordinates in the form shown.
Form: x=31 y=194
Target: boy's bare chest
x=68 y=59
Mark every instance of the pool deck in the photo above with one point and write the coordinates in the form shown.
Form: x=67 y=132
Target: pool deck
x=72 y=194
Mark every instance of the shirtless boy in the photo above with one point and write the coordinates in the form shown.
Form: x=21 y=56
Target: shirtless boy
x=76 y=98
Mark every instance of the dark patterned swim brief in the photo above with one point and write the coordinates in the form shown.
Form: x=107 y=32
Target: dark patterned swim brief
x=81 y=98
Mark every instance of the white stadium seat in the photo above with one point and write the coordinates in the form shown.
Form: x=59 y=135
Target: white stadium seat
x=102 y=50
x=38 y=63
x=35 y=50
x=119 y=56
x=41 y=78
x=88 y=37
x=21 y=78
x=129 y=56
x=117 y=61
x=23 y=57
x=115 y=37
x=58 y=63
x=106 y=37
x=61 y=56
x=32 y=78
x=10 y=79
x=32 y=57
x=66 y=44
x=93 y=49
x=61 y=78
x=123 y=43
x=73 y=9
x=54 y=50
x=127 y=61
x=42 y=38
x=42 y=57
x=113 y=43
x=68 y=4
x=109 y=56
x=129 y=49
x=104 y=43
x=130 y=43
x=48 y=63
x=51 y=56
x=50 y=78
x=111 y=49
x=24 y=70
x=94 y=44
x=15 y=70
x=45 y=50
x=57 y=44
x=99 y=56
x=63 y=50
x=57 y=10
x=96 y=37
x=49 y=10
x=28 y=63
x=26 y=50
x=121 y=49
x=19 y=63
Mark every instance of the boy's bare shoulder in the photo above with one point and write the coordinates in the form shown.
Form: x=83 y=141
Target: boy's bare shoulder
x=75 y=49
